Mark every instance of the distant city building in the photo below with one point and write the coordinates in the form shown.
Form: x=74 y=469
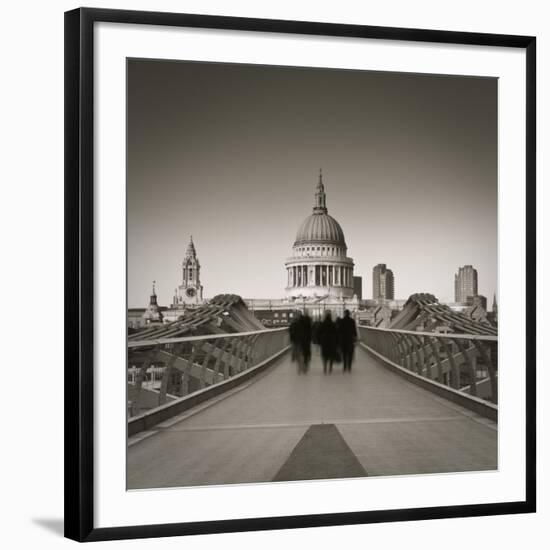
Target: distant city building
x=135 y=318
x=376 y=316
x=456 y=306
x=319 y=266
x=358 y=287
x=190 y=290
x=188 y=295
x=492 y=316
x=139 y=317
x=272 y=313
x=382 y=283
x=281 y=311
x=465 y=283
x=152 y=313
x=394 y=305
x=477 y=300
x=477 y=308
x=319 y=278
x=319 y=272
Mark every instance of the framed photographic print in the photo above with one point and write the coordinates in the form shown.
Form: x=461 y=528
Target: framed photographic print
x=300 y=274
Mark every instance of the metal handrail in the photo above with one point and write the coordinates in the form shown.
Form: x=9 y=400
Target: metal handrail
x=451 y=335
x=162 y=341
x=451 y=359
x=189 y=364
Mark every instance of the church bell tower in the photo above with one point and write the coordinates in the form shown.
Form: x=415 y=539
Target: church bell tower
x=190 y=291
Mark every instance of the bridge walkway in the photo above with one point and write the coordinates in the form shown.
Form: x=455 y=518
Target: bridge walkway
x=285 y=426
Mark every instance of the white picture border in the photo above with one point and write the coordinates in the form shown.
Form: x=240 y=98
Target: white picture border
x=113 y=505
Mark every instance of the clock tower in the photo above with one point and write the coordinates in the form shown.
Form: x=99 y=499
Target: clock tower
x=190 y=291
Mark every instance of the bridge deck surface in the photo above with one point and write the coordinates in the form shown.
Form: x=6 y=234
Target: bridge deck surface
x=285 y=426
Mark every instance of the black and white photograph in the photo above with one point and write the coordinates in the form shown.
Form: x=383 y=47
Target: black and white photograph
x=312 y=274
x=273 y=275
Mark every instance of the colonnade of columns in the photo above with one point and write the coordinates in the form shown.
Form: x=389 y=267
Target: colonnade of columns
x=320 y=275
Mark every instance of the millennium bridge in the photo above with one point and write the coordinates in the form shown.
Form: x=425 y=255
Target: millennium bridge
x=214 y=398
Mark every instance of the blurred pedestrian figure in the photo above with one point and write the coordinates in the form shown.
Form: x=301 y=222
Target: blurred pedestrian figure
x=305 y=340
x=294 y=332
x=347 y=336
x=300 y=338
x=328 y=340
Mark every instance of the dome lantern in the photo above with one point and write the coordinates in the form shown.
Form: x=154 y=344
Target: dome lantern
x=320 y=197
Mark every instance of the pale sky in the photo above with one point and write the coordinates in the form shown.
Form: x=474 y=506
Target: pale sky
x=231 y=154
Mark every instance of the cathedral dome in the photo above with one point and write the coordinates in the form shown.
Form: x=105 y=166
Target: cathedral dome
x=319 y=266
x=319 y=227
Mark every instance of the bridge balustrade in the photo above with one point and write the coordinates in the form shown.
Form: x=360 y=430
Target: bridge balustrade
x=165 y=370
x=464 y=362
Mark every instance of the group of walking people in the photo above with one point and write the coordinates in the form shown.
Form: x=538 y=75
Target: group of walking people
x=335 y=338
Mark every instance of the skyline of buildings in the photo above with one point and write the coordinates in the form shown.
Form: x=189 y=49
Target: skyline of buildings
x=358 y=286
x=357 y=289
x=378 y=311
x=465 y=283
x=237 y=168
x=318 y=270
x=382 y=283
x=320 y=276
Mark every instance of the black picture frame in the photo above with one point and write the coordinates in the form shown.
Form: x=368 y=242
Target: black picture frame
x=79 y=268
